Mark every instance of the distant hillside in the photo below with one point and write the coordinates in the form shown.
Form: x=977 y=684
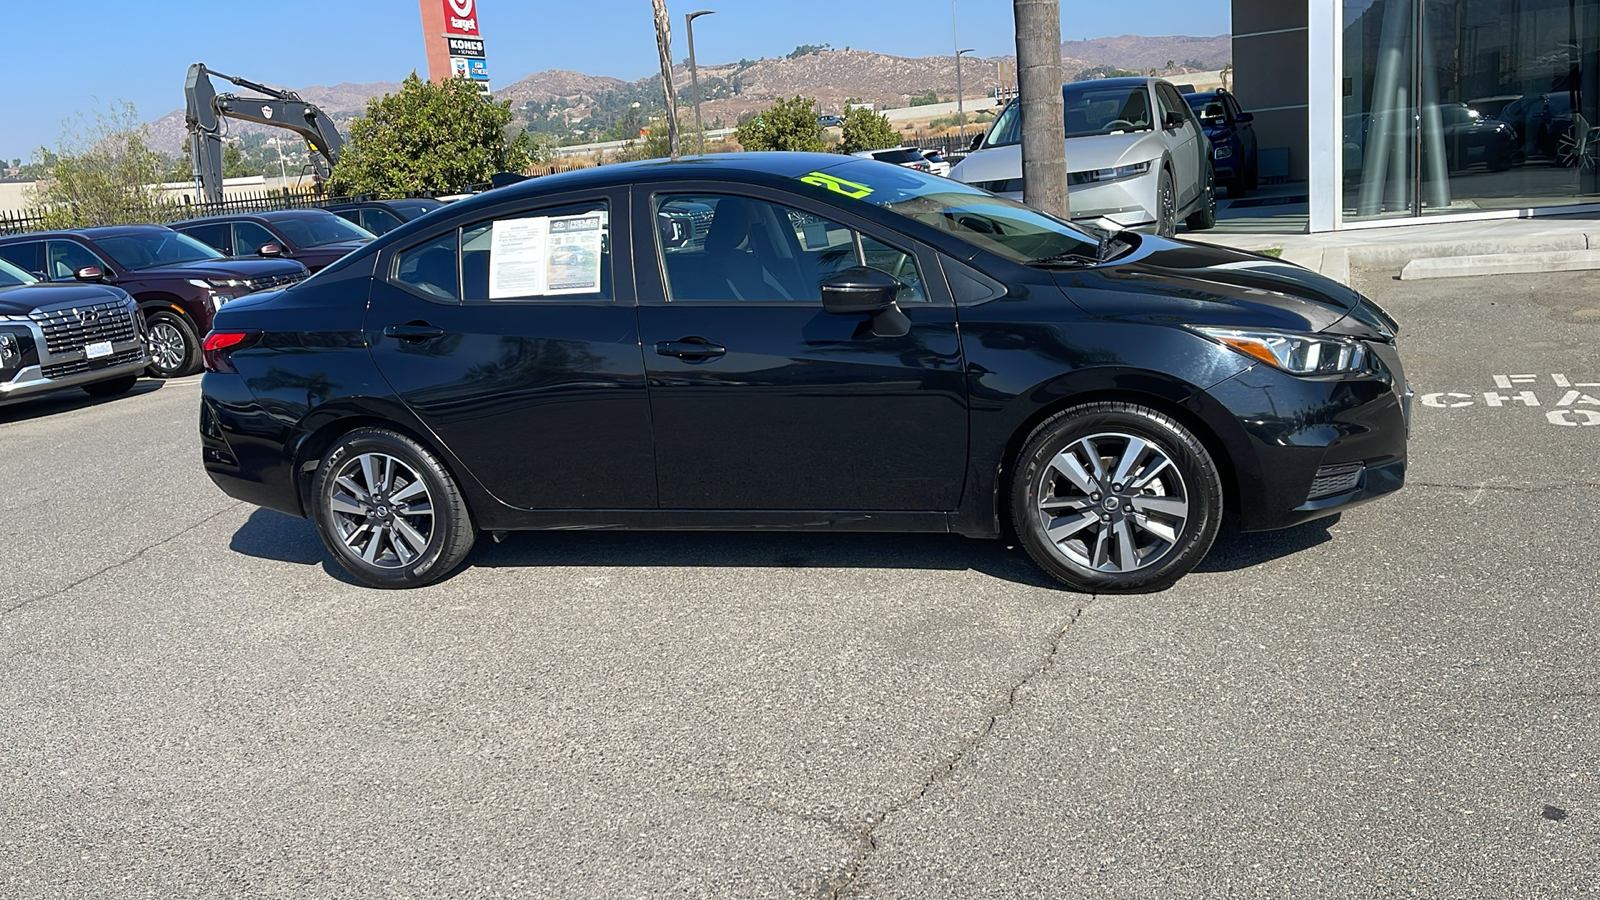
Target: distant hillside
x=738 y=89
x=1137 y=52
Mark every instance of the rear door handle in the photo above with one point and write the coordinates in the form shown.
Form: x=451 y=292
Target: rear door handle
x=413 y=331
x=690 y=348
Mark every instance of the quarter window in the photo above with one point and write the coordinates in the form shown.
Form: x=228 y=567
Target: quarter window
x=561 y=253
x=724 y=247
x=431 y=269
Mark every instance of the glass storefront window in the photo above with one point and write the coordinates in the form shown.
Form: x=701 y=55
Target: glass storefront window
x=1459 y=106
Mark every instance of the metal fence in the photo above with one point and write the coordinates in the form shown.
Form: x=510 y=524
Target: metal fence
x=18 y=223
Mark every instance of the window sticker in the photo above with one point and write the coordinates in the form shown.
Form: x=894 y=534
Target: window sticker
x=837 y=185
x=545 y=255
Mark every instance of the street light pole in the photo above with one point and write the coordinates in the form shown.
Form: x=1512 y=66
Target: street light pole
x=694 y=75
x=961 y=110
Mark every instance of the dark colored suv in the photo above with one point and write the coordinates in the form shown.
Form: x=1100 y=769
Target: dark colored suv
x=315 y=238
x=178 y=282
x=66 y=335
x=383 y=216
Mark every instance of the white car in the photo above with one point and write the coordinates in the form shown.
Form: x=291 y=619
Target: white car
x=937 y=164
x=1137 y=158
x=910 y=157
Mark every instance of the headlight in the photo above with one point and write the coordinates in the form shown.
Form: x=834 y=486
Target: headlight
x=1222 y=152
x=218 y=283
x=1297 y=354
x=10 y=351
x=1101 y=176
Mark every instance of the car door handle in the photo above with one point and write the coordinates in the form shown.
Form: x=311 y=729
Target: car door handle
x=413 y=331
x=690 y=348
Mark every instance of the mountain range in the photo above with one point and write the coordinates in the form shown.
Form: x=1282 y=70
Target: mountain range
x=830 y=76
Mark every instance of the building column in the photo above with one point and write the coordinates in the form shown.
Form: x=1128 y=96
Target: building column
x=1324 y=79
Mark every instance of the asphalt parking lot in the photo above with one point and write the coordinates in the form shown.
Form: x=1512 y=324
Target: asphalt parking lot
x=1402 y=702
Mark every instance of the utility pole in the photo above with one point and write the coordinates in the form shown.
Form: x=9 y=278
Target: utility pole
x=664 y=44
x=1044 y=143
x=961 y=110
x=694 y=75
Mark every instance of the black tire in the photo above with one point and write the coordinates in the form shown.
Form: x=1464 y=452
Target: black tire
x=1131 y=538
x=1166 y=206
x=404 y=547
x=1252 y=179
x=1205 y=218
x=112 y=388
x=174 y=346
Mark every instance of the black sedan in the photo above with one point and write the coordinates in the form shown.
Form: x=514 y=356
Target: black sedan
x=799 y=341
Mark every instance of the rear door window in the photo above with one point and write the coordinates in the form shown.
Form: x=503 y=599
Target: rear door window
x=379 y=221
x=25 y=256
x=556 y=253
x=212 y=234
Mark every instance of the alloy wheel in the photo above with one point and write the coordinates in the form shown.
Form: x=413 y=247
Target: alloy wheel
x=1112 y=503
x=168 y=349
x=382 y=510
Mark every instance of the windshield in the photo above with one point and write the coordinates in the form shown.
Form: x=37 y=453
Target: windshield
x=1016 y=232
x=149 y=249
x=314 y=231
x=11 y=276
x=1090 y=108
x=1207 y=106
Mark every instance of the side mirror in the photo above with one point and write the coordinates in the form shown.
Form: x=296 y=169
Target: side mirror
x=270 y=250
x=91 y=273
x=1173 y=121
x=858 y=290
x=977 y=141
x=1245 y=118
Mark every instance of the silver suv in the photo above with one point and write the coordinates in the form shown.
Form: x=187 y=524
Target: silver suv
x=67 y=335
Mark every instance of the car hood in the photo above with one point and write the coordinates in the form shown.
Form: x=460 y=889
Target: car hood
x=1084 y=154
x=19 y=301
x=1205 y=285
x=221 y=268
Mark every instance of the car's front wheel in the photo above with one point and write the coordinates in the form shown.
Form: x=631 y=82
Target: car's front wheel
x=174 y=346
x=389 y=511
x=1115 y=498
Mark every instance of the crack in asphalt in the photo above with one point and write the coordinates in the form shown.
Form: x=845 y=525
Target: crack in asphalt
x=1503 y=488
x=841 y=883
x=120 y=563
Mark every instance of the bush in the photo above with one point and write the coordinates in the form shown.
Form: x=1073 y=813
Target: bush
x=864 y=129
x=101 y=175
x=786 y=125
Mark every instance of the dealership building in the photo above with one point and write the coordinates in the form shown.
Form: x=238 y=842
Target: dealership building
x=1407 y=111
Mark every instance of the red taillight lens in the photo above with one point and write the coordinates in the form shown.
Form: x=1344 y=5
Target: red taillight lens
x=220 y=344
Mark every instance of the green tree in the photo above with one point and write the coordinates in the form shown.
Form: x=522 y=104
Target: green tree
x=429 y=137
x=100 y=174
x=233 y=163
x=786 y=125
x=864 y=129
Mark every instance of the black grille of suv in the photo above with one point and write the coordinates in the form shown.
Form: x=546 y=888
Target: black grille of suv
x=71 y=328
x=61 y=370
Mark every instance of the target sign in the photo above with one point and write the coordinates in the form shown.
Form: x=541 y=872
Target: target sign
x=461 y=17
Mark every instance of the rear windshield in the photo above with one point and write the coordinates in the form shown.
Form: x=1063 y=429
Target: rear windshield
x=1089 y=108
x=314 y=231
x=11 y=276
x=149 y=249
x=897 y=156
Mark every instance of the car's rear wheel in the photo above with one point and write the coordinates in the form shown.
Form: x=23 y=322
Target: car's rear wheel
x=112 y=387
x=1206 y=216
x=1166 y=206
x=1115 y=498
x=389 y=511
x=174 y=346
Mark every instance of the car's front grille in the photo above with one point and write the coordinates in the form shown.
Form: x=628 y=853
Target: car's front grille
x=69 y=329
x=79 y=366
x=274 y=282
x=1331 y=480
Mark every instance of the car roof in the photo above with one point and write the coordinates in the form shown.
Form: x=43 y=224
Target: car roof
x=103 y=231
x=1127 y=81
x=268 y=215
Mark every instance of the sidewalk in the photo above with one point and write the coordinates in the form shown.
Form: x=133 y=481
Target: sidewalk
x=1501 y=246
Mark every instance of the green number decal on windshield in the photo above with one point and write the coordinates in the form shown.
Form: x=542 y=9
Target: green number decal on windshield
x=837 y=185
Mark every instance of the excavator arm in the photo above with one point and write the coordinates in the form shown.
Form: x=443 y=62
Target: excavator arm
x=205 y=110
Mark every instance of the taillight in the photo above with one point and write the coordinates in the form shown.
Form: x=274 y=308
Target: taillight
x=220 y=345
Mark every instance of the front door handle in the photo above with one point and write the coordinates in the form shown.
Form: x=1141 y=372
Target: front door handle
x=690 y=348
x=413 y=331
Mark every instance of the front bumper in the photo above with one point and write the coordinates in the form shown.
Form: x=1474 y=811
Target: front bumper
x=75 y=357
x=1127 y=205
x=1300 y=432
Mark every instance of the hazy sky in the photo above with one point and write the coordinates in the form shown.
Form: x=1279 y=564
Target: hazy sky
x=139 y=51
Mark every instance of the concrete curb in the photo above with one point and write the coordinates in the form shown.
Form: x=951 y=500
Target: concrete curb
x=1500 y=264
